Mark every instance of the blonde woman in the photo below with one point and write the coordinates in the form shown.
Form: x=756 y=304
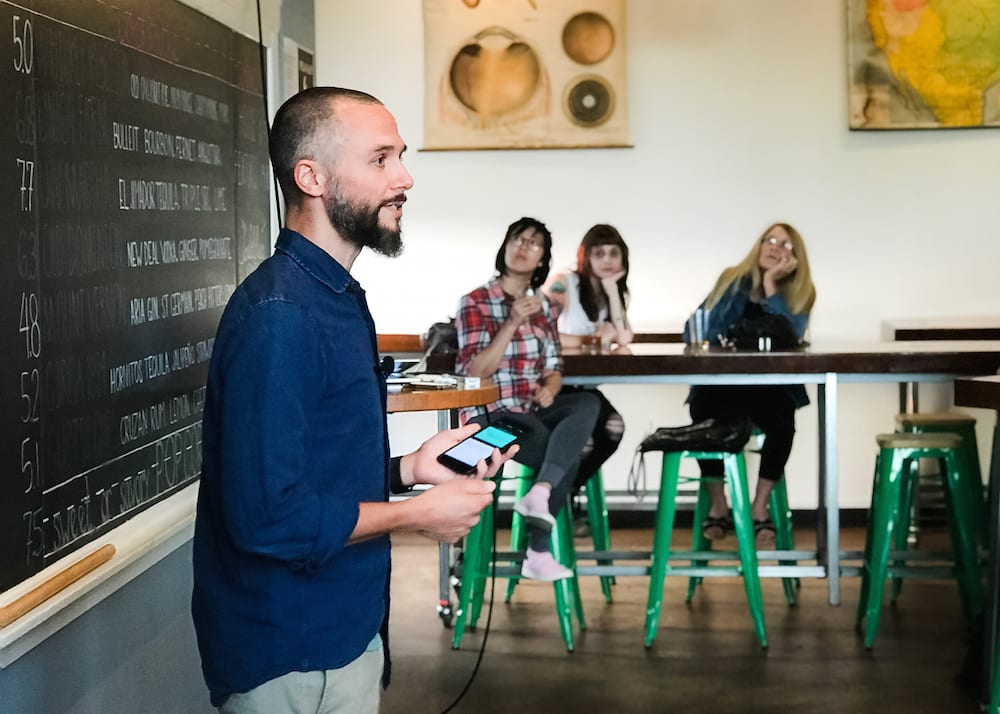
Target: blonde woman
x=773 y=278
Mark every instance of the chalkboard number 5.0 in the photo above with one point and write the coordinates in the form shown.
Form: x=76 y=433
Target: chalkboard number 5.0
x=29 y=325
x=24 y=45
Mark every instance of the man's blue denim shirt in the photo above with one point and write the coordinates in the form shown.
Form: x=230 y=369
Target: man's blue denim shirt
x=294 y=438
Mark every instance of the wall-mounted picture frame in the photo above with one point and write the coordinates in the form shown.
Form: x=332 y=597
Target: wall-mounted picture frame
x=524 y=74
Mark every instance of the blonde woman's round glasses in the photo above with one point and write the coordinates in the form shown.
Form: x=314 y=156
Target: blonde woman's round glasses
x=774 y=240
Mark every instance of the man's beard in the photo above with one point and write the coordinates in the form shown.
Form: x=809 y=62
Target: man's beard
x=358 y=224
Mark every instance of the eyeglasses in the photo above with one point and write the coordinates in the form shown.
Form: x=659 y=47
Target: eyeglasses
x=774 y=240
x=526 y=243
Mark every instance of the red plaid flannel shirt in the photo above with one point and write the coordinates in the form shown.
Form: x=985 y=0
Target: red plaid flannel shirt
x=532 y=351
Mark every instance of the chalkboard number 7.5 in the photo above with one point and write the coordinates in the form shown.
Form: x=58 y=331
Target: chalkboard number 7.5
x=24 y=45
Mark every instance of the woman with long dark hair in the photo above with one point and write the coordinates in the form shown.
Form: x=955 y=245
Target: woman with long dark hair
x=591 y=301
x=507 y=333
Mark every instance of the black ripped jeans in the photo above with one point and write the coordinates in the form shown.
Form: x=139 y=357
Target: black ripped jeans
x=552 y=439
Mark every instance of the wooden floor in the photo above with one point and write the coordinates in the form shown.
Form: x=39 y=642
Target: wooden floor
x=705 y=658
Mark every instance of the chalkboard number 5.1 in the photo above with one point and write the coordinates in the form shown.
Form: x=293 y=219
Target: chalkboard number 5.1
x=30 y=456
x=29 y=325
x=24 y=45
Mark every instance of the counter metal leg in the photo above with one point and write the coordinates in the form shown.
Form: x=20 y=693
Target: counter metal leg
x=828 y=484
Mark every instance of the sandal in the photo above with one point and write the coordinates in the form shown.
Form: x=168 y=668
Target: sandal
x=764 y=533
x=716 y=528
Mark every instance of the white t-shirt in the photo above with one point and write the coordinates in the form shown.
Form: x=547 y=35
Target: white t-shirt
x=573 y=319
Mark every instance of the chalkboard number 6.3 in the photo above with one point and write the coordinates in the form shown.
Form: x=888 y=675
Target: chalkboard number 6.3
x=24 y=45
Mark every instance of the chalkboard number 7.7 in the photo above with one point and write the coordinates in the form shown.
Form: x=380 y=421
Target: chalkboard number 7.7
x=29 y=325
x=24 y=45
x=27 y=182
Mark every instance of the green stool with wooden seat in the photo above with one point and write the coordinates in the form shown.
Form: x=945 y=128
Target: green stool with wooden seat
x=893 y=468
x=734 y=465
x=781 y=516
x=597 y=518
x=963 y=425
x=478 y=565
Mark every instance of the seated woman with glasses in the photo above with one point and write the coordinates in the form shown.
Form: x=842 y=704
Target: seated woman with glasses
x=507 y=333
x=773 y=278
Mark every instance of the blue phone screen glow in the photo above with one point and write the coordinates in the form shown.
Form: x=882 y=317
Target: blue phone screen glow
x=495 y=437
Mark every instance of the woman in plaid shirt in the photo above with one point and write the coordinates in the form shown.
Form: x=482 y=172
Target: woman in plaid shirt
x=507 y=333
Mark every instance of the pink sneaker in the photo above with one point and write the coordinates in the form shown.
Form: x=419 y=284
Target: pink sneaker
x=542 y=566
x=535 y=508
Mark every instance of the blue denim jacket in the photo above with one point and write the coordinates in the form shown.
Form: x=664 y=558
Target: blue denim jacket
x=294 y=439
x=730 y=309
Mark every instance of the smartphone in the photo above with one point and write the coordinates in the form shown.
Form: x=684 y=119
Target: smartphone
x=464 y=455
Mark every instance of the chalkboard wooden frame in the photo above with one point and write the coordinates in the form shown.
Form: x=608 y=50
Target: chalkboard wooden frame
x=141 y=200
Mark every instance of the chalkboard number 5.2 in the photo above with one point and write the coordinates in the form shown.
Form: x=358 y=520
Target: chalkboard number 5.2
x=29 y=325
x=24 y=45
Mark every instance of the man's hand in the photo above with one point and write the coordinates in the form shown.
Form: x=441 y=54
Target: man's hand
x=448 y=511
x=422 y=466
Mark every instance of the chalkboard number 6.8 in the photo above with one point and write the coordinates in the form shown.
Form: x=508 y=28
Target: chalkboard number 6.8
x=29 y=325
x=24 y=45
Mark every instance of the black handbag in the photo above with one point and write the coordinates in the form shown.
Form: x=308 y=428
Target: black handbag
x=729 y=435
x=746 y=333
x=709 y=435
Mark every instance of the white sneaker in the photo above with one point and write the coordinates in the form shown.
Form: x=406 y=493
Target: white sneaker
x=535 y=508
x=543 y=567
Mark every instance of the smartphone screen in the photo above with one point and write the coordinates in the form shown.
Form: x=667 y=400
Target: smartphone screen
x=495 y=437
x=464 y=455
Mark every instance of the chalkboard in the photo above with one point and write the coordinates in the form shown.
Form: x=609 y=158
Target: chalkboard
x=134 y=199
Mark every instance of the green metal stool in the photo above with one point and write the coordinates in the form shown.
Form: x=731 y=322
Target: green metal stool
x=597 y=517
x=478 y=565
x=736 y=476
x=893 y=467
x=963 y=425
x=781 y=516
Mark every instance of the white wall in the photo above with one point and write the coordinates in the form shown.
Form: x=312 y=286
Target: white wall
x=738 y=115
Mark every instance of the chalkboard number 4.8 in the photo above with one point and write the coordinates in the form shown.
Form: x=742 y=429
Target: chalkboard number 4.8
x=24 y=45
x=29 y=325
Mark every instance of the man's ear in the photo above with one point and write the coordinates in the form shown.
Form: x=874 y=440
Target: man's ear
x=310 y=176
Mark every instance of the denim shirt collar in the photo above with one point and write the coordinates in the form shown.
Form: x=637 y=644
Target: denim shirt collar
x=315 y=261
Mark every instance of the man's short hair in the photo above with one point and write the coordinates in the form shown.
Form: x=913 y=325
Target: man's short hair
x=297 y=126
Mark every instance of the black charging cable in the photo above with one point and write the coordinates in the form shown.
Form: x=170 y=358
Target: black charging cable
x=489 y=611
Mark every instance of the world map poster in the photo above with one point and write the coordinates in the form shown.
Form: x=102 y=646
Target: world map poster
x=924 y=64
